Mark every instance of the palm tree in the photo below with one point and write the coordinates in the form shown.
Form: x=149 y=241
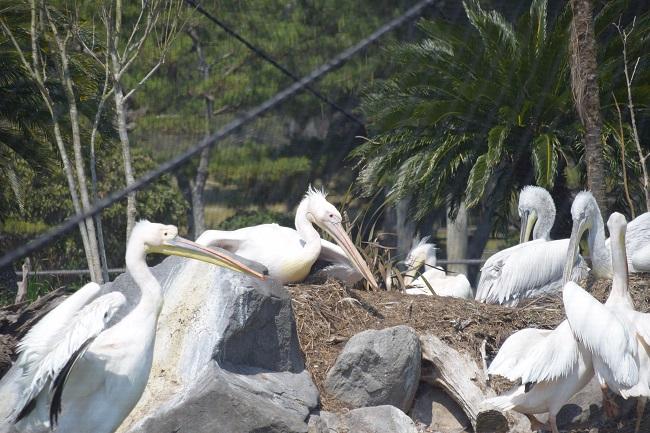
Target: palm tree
x=473 y=113
x=584 y=83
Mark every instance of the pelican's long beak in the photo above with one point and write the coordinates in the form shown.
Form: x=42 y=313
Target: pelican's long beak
x=577 y=230
x=341 y=237
x=217 y=256
x=528 y=220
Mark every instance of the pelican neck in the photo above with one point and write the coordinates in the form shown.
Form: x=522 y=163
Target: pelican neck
x=601 y=262
x=151 y=299
x=306 y=230
x=619 y=266
x=542 y=229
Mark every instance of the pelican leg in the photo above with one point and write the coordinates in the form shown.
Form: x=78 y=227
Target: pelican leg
x=553 y=423
x=536 y=424
x=640 y=408
x=610 y=407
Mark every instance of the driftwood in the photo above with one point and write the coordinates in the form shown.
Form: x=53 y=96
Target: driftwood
x=462 y=379
x=17 y=319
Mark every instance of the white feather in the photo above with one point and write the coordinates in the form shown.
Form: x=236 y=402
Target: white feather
x=612 y=345
x=526 y=270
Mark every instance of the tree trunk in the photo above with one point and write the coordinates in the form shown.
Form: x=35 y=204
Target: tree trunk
x=95 y=270
x=584 y=84
x=405 y=227
x=120 y=110
x=457 y=239
x=197 y=188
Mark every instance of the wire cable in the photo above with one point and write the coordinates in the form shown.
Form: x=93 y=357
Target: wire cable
x=270 y=60
x=209 y=141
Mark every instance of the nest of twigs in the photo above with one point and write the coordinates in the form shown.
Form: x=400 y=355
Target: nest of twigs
x=327 y=315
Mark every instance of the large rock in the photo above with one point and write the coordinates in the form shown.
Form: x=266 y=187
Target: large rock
x=439 y=412
x=377 y=368
x=377 y=419
x=227 y=357
x=248 y=400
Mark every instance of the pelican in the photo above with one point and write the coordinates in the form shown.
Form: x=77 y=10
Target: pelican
x=79 y=375
x=287 y=253
x=552 y=367
x=617 y=335
x=530 y=268
x=586 y=216
x=424 y=253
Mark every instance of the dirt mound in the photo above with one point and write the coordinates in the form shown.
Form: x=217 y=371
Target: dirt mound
x=328 y=315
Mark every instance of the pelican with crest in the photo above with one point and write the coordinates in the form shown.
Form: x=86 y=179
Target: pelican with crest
x=290 y=253
x=531 y=268
x=433 y=278
x=75 y=373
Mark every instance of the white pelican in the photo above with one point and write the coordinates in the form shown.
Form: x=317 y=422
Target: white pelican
x=586 y=216
x=442 y=284
x=78 y=374
x=552 y=367
x=287 y=253
x=617 y=335
x=531 y=268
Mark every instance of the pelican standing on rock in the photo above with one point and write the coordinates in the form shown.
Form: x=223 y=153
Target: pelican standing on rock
x=587 y=217
x=532 y=268
x=287 y=253
x=617 y=335
x=78 y=375
x=424 y=253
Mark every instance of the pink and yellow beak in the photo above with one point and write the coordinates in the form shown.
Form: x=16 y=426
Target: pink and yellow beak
x=214 y=255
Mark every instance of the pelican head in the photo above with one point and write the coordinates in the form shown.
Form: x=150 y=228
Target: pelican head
x=322 y=213
x=536 y=210
x=148 y=237
x=423 y=252
x=584 y=213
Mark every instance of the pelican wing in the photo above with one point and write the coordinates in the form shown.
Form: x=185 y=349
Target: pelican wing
x=523 y=271
x=553 y=357
x=611 y=343
x=228 y=240
x=515 y=350
x=73 y=341
x=341 y=268
x=637 y=238
x=43 y=336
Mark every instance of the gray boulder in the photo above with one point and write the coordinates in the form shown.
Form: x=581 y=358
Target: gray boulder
x=376 y=419
x=437 y=411
x=226 y=359
x=377 y=368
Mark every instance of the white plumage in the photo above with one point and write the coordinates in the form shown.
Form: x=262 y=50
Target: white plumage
x=551 y=365
x=615 y=334
x=533 y=268
x=76 y=375
x=587 y=217
x=424 y=254
x=290 y=253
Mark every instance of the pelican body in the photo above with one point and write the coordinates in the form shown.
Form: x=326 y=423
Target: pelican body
x=531 y=268
x=617 y=335
x=424 y=253
x=289 y=254
x=587 y=217
x=77 y=374
x=552 y=366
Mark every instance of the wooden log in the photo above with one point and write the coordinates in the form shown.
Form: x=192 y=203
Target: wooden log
x=464 y=381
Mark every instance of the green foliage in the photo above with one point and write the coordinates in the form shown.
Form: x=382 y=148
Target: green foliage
x=474 y=111
x=49 y=203
x=255 y=217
